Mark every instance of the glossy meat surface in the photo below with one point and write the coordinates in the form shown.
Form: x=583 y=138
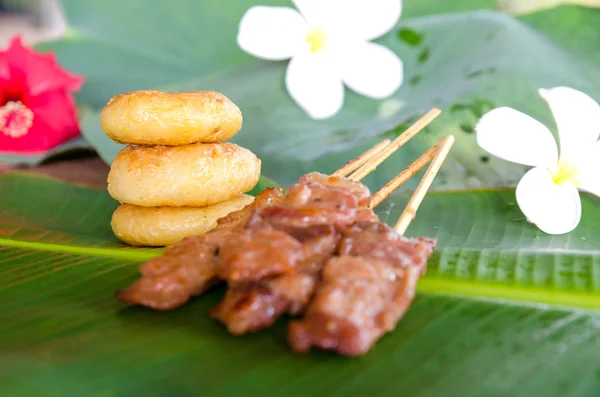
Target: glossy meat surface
x=249 y=308
x=258 y=253
x=238 y=220
x=357 y=301
x=286 y=251
x=363 y=292
x=379 y=241
x=356 y=189
x=189 y=267
x=254 y=305
x=318 y=199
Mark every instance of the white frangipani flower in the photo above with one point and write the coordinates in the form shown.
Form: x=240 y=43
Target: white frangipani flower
x=548 y=194
x=328 y=43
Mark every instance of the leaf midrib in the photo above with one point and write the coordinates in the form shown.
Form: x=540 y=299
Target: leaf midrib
x=120 y=253
x=430 y=285
x=538 y=297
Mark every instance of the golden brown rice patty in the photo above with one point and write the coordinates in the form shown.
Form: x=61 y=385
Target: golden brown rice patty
x=168 y=118
x=194 y=175
x=160 y=226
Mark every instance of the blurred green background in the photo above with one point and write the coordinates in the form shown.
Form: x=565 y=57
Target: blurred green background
x=469 y=57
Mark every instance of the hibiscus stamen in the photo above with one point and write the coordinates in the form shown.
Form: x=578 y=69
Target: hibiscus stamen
x=15 y=119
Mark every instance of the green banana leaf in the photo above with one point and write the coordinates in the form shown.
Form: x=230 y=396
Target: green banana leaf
x=503 y=310
x=461 y=56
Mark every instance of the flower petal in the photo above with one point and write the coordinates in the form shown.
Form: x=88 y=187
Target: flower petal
x=314 y=84
x=577 y=118
x=359 y=19
x=58 y=111
x=4 y=68
x=589 y=170
x=35 y=73
x=516 y=137
x=555 y=209
x=371 y=70
x=273 y=33
x=320 y=12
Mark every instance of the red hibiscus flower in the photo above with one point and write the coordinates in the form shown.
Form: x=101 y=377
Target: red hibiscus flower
x=37 y=111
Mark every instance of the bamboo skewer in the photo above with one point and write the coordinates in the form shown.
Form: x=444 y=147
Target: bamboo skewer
x=364 y=158
x=410 y=211
x=413 y=130
x=368 y=161
x=402 y=177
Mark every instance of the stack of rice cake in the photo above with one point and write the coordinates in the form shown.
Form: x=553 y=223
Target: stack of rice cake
x=177 y=175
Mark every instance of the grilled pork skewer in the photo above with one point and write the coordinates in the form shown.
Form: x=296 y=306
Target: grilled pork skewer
x=274 y=266
x=272 y=255
x=364 y=291
x=258 y=303
x=368 y=287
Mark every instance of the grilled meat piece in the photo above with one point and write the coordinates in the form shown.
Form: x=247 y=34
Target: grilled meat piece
x=379 y=241
x=357 y=301
x=168 y=281
x=356 y=189
x=257 y=253
x=363 y=292
x=318 y=199
x=237 y=220
x=189 y=267
x=255 y=305
x=273 y=267
x=366 y=215
x=295 y=288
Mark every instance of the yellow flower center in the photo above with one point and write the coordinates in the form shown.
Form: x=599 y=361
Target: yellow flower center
x=317 y=39
x=563 y=172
